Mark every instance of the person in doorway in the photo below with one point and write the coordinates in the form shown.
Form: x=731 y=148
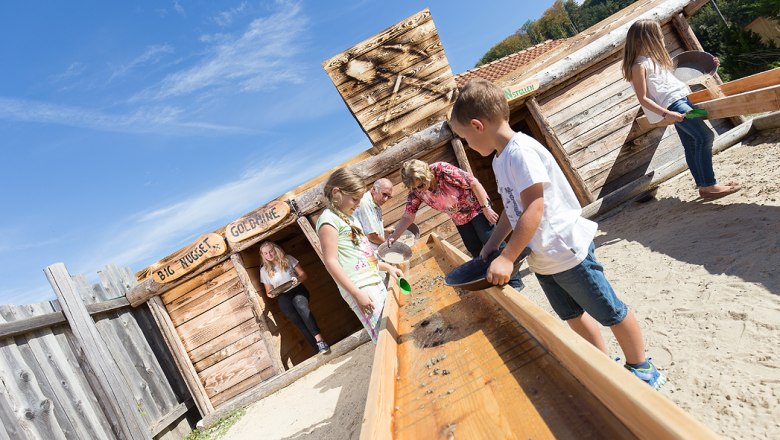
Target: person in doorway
x=647 y=66
x=542 y=212
x=369 y=211
x=348 y=255
x=455 y=192
x=279 y=268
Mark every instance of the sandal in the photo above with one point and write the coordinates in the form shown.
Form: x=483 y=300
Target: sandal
x=719 y=194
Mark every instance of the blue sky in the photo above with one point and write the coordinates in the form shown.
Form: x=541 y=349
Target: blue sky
x=130 y=128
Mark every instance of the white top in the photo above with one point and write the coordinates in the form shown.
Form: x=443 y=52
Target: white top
x=663 y=88
x=563 y=237
x=369 y=214
x=279 y=277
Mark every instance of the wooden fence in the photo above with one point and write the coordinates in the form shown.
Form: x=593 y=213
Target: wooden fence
x=88 y=366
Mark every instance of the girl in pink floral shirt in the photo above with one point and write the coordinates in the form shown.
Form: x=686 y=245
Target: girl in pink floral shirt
x=449 y=189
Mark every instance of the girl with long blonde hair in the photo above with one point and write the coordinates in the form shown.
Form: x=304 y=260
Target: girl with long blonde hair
x=648 y=67
x=278 y=268
x=347 y=253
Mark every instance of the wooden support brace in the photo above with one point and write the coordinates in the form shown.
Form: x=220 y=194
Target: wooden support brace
x=572 y=175
x=180 y=356
x=311 y=235
x=120 y=397
x=259 y=307
x=460 y=154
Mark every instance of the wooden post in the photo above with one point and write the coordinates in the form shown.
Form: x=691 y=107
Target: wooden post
x=690 y=42
x=311 y=235
x=183 y=362
x=572 y=175
x=460 y=154
x=259 y=307
x=118 y=395
x=694 y=6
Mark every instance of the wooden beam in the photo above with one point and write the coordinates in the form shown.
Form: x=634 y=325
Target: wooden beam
x=380 y=401
x=554 y=144
x=753 y=82
x=240 y=246
x=694 y=6
x=460 y=154
x=180 y=356
x=382 y=164
x=311 y=235
x=259 y=307
x=83 y=327
x=173 y=415
x=644 y=411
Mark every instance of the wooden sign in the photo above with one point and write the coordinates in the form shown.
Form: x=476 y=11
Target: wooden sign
x=188 y=259
x=524 y=88
x=397 y=82
x=257 y=221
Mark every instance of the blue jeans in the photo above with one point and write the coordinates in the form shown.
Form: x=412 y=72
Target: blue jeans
x=584 y=288
x=475 y=234
x=697 y=139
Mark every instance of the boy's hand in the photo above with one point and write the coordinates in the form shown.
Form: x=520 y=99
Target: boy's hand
x=500 y=270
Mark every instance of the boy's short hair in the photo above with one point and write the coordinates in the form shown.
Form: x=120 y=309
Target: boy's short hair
x=480 y=99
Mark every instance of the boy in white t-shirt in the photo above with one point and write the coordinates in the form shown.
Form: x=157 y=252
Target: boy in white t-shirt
x=544 y=215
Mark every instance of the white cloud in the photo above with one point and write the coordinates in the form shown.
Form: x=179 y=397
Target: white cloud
x=151 y=55
x=261 y=57
x=225 y=18
x=178 y=8
x=157 y=119
x=74 y=70
x=151 y=235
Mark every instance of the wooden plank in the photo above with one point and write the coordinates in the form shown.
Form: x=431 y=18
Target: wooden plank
x=214 y=322
x=762 y=100
x=753 y=82
x=198 y=294
x=260 y=220
x=231 y=349
x=646 y=412
x=377 y=417
x=206 y=302
x=172 y=416
x=86 y=333
x=148 y=288
x=22 y=326
x=259 y=307
x=311 y=235
x=694 y=6
x=196 y=286
x=234 y=369
x=226 y=339
x=179 y=353
x=60 y=369
x=572 y=175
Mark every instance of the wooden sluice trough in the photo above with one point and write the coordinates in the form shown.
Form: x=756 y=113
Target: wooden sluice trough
x=491 y=364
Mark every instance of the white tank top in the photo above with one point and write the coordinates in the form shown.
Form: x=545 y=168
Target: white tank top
x=663 y=87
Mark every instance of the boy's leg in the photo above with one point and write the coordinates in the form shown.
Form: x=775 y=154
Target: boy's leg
x=568 y=310
x=629 y=336
x=587 y=327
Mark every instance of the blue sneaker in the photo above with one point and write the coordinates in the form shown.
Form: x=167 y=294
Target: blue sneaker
x=649 y=374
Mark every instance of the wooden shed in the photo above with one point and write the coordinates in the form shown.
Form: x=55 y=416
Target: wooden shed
x=230 y=341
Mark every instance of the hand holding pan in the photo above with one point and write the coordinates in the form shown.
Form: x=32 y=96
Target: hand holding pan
x=280 y=289
x=472 y=275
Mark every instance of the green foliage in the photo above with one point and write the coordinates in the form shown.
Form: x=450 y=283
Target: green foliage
x=741 y=52
x=218 y=429
x=565 y=18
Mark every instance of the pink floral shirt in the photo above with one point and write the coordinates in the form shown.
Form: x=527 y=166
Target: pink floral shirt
x=453 y=194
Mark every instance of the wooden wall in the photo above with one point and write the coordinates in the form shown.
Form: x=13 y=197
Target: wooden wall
x=217 y=326
x=593 y=116
x=335 y=319
x=50 y=381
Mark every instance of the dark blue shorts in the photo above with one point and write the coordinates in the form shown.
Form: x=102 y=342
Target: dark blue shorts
x=584 y=288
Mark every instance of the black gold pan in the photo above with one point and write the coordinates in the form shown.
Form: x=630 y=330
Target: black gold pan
x=471 y=275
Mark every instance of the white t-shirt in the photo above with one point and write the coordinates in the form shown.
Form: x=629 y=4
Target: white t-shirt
x=280 y=277
x=663 y=88
x=563 y=237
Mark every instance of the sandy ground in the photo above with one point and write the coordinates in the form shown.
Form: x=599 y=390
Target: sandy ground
x=702 y=277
